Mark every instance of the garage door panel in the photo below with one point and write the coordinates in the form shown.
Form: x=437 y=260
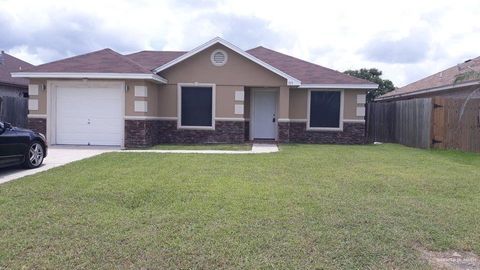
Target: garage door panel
x=89 y=116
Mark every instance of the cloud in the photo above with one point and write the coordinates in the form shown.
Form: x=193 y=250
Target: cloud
x=410 y=49
x=405 y=42
x=66 y=34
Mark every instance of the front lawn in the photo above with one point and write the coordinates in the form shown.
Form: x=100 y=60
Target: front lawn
x=305 y=207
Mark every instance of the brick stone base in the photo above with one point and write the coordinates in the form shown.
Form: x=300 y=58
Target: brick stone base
x=140 y=133
x=144 y=133
x=225 y=132
x=284 y=132
x=38 y=125
x=353 y=133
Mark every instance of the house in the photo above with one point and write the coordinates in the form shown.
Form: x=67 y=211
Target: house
x=9 y=86
x=441 y=84
x=214 y=93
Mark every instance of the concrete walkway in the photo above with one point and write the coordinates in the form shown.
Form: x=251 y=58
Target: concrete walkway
x=256 y=149
x=57 y=156
x=61 y=155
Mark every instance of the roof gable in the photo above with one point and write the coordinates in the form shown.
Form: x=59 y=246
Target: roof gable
x=237 y=70
x=9 y=64
x=290 y=79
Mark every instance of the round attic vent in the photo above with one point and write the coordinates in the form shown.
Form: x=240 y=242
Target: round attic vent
x=219 y=57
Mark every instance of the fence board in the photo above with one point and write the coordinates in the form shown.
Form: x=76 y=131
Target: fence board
x=426 y=122
x=406 y=122
x=14 y=110
x=461 y=131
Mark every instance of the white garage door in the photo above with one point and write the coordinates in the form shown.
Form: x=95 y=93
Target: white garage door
x=89 y=116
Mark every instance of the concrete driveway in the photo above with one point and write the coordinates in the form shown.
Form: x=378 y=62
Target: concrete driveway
x=57 y=156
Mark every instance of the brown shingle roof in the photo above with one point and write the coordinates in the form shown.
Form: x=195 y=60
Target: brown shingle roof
x=306 y=72
x=10 y=64
x=442 y=78
x=103 y=61
x=109 y=61
x=154 y=59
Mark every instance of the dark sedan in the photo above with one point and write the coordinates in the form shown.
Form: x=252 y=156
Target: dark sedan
x=20 y=146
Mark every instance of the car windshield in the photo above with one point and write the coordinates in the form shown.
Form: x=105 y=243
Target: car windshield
x=1 y=125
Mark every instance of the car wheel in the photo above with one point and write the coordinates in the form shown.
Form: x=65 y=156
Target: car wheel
x=34 y=155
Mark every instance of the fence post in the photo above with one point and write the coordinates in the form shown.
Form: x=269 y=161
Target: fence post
x=438 y=123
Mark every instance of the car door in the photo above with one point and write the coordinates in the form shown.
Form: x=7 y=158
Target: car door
x=12 y=149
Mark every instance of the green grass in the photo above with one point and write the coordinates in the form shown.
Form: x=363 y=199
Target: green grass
x=230 y=147
x=305 y=207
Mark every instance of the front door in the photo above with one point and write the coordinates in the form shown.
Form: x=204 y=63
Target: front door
x=264 y=115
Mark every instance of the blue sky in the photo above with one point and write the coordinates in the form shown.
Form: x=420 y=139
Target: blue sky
x=406 y=39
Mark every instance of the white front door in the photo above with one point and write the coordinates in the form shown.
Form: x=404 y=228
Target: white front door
x=89 y=116
x=264 y=114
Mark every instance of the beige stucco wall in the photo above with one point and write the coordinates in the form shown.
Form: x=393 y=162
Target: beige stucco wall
x=224 y=101
x=167 y=100
x=152 y=98
x=41 y=97
x=350 y=104
x=298 y=103
x=237 y=74
x=299 y=99
x=237 y=71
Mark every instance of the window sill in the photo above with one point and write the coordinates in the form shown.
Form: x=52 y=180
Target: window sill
x=196 y=127
x=324 y=129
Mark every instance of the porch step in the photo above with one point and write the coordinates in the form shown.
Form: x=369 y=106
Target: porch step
x=264 y=141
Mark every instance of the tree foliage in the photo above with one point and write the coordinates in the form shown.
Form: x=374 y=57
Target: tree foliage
x=467 y=76
x=373 y=75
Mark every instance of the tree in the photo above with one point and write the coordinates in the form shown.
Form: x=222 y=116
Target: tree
x=373 y=75
x=467 y=76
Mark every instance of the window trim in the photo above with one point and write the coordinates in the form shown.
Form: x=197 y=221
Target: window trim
x=340 y=124
x=179 y=105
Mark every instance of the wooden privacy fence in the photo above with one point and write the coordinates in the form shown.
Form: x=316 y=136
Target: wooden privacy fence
x=439 y=122
x=14 y=110
x=456 y=124
x=407 y=122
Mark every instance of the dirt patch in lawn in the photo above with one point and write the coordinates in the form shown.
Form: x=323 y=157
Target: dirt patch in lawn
x=455 y=260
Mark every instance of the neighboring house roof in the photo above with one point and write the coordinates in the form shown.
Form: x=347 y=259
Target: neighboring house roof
x=439 y=81
x=104 y=63
x=98 y=64
x=153 y=59
x=307 y=72
x=9 y=64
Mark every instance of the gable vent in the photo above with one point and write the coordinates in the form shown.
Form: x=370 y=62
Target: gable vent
x=219 y=57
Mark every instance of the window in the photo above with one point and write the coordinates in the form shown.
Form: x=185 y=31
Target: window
x=325 y=110
x=196 y=107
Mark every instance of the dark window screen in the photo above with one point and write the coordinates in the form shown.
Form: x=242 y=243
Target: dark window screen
x=325 y=109
x=196 y=106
